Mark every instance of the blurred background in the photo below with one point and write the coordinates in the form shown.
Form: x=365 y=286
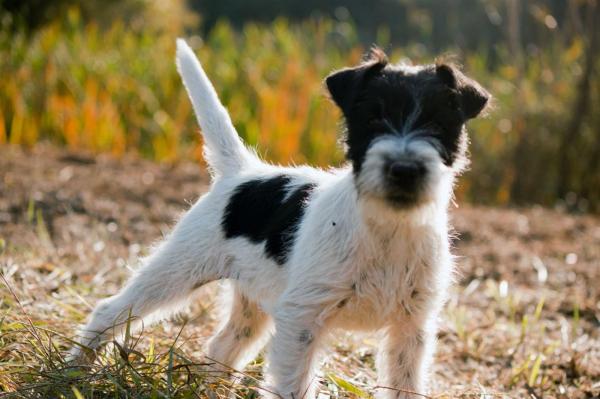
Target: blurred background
x=99 y=76
x=99 y=153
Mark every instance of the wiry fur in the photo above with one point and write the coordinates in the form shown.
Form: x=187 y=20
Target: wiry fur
x=358 y=259
x=224 y=150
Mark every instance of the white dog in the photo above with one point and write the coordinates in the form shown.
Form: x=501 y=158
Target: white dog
x=306 y=251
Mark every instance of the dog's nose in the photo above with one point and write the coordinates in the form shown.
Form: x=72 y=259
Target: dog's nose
x=405 y=172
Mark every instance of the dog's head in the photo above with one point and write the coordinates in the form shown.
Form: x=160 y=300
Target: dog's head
x=405 y=125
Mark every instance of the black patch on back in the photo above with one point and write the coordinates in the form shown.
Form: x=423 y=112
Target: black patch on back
x=257 y=210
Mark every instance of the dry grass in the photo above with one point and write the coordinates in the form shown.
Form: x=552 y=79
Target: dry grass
x=523 y=320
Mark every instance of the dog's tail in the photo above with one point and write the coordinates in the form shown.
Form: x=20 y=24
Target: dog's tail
x=223 y=148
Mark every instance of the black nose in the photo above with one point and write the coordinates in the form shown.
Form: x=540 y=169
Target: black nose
x=405 y=172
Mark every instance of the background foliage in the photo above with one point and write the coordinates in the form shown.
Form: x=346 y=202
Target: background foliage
x=100 y=77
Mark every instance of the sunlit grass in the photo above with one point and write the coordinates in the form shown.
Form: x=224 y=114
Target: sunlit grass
x=154 y=365
x=507 y=331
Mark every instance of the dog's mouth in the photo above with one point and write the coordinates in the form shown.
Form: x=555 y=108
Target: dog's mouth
x=405 y=194
x=397 y=196
x=403 y=199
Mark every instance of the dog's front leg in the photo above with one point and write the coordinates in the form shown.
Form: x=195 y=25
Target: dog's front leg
x=403 y=360
x=293 y=350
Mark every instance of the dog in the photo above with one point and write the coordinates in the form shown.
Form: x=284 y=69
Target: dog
x=307 y=251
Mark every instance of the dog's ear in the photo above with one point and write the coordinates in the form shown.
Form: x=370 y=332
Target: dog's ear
x=473 y=97
x=345 y=84
x=375 y=54
x=447 y=74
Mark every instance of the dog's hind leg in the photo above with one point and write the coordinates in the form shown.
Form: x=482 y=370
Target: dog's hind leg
x=242 y=336
x=163 y=284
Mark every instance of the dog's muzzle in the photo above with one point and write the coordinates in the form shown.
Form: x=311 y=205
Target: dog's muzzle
x=405 y=180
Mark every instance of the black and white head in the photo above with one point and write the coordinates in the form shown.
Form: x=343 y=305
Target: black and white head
x=405 y=126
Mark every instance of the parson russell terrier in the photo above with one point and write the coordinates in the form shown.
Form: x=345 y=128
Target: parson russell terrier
x=307 y=251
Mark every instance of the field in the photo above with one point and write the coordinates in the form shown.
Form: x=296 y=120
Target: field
x=523 y=320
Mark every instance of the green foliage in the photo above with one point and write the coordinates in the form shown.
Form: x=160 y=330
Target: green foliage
x=117 y=89
x=515 y=150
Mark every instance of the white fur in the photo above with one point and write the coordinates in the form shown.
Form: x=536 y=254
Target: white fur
x=357 y=264
x=224 y=150
x=371 y=182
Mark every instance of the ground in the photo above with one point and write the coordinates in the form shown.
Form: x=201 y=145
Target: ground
x=523 y=319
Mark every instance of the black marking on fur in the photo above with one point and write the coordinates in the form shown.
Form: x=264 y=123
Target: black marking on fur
x=226 y=271
x=333 y=224
x=247 y=332
x=305 y=337
x=260 y=211
x=246 y=311
x=342 y=303
x=401 y=359
x=229 y=260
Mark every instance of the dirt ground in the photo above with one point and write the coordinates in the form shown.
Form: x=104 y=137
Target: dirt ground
x=523 y=319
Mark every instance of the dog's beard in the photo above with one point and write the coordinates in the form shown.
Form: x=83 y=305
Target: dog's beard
x=373 y=182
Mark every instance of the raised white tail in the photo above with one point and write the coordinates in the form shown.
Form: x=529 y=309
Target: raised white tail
x=223 y=148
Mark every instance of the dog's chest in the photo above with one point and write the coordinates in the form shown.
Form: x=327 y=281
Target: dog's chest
x=396 y=278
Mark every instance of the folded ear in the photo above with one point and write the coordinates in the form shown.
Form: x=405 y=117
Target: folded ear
x=473 y=97
x=447 y=74
x=345 y=84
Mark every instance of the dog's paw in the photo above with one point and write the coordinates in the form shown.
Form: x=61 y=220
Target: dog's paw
x=80 y=356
